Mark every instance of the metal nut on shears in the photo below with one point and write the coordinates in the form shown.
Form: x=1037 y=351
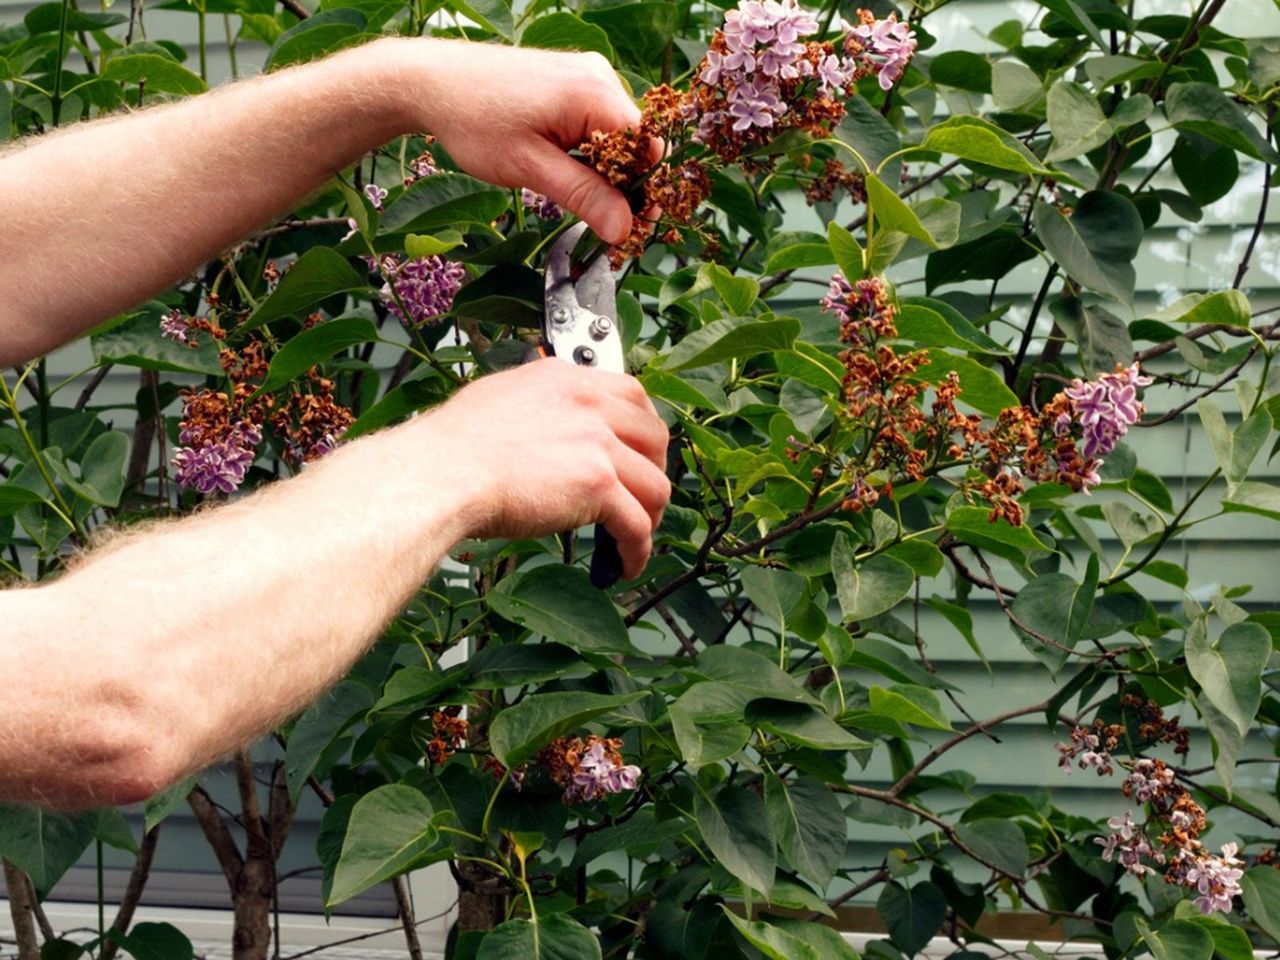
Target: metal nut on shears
x=584 y=356
x=600 y=328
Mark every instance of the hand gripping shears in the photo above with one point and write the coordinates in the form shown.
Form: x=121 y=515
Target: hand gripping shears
x=580 y=325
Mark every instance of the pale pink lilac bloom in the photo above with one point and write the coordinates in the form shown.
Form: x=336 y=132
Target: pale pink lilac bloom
x=1216 y=879
x=1086 y=751
x=175 y=326
x=376 y=195
x=1106 y=408
x=542 y=207
x=598 y=774
x=1129 y=846
x=217 y=467
x=887 y=47
x=1150 y=783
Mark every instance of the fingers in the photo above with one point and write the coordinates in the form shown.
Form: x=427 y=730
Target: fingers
x=632 y=527
x=577 y=187
x=647 y=484
x=638 y=426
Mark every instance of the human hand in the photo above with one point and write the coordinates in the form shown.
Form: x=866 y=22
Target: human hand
x=550 y=446
x=507 y=115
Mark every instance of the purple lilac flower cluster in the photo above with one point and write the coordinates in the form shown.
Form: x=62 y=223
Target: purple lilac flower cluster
x=887 y=46
x=1105 y=408
x=1129 y=845
x=542 y=207
x=1087 y=750
x=1216 y=879
x=175 y=326
x=375 y=194
x=216 y=467
x=762 y=40
x=598 y=774
x=425 y=286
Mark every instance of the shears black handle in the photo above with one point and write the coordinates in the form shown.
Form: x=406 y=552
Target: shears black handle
x=606 y=561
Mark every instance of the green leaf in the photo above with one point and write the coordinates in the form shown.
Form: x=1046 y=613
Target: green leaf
x=797 y=256
x=390 y=831
x=775 y=592
x=980 y=386
x=870 y=587
x=932 y=323
x=1046 y=605
x=432 y=245
x=846 y=250
x=735 y=827
x=911 y=704
x=42 y=844
x=135 y=341
x=638 y=31
x=314 y=346
x=809 y=825
x=802 y=724
x=559 y=602
x=892 y=214
x=1204 y=109
x=47 y=18
x=1228 y=741
x=442 y=200
x=755 y=674
x=102 y=469
x=1096 y=246
x=160 y=807
x=1261 y=887
x=1229 y=671
x=963 y=70
x=1078 y=123
x=739 y=203
x=1177 y=940
x=1207 y=170
x=553 y=936
x=1102 y=337
x=320 y=724
x=154 y=941
x=979 y=141
x=701 y=719
x=514 y=665
x=159 y=74
x=519 y=732
x=921 y=556
x=997 y=841
x=639 y=836
x=316 y=275
x=913 y=915
x=826 y=940
x=493 y=14
x=410 y=396
x=732 y=338
x=1236 y=449
x=962 y=620
x=738 y=293
x=1229 y=942
x=561 y=30
x=1252 y=497
x=319 y=34
x=1229 y=307
x=771 y=941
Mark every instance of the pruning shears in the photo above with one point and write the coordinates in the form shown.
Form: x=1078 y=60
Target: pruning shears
x=580 y=326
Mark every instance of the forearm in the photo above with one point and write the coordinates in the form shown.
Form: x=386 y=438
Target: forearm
x=100 y=216
x=181 y=643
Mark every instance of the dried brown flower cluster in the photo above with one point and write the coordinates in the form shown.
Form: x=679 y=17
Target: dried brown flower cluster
x=834 y=178
x=758 y=80
x=450 y=733
x=884 y=399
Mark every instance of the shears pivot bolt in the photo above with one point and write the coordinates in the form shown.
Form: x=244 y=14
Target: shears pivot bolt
x=584 y=356
x=600 y=328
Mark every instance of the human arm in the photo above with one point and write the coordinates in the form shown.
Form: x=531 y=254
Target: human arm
x=99 y=216
x=165 y=651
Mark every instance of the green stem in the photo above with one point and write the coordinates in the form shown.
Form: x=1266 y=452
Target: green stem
x=61 y=507
x=1168 y=532
x=231 y=46
x=62 y=55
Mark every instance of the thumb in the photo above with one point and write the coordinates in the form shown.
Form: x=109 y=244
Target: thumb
x=575 y=186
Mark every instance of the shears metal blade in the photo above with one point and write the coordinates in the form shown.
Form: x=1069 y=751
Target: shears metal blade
x=580 y=326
